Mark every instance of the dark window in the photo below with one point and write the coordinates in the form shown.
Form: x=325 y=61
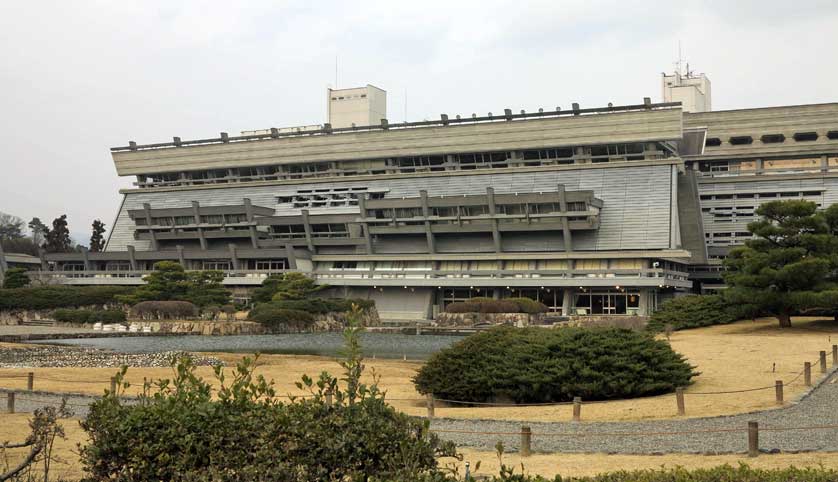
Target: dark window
x=805 y=136
x=706 y=197
x=741 y=140
x=767 y=194
x=811 y=193
x=789 y=194
x=713 y=142
x=832 y=135
x=745 y=196
x=773 y=138
x=724 y=196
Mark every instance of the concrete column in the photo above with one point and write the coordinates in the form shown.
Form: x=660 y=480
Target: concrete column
x=307 y=226
x=202 y=239
x=566 y=236
x=85 y=254
x=759 y=166
x=824 y=163
x=493 y=210
x=254 y=238
x=132 y=257
x=248 y=209
x=180 y=256
x=234 y=256
x=644 y=308
x=429 y=235
x=292 y=258
x=362 y=205
x=196 y=212
x=567 y=300
x=147 y=211
x=154 y=245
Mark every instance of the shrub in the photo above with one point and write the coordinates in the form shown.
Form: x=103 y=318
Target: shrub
x=51 y=297
x=691 y=311
x=288 y=286
x=489 y=305
x=164 y=310
x=229 y=311
x=89 y=316
x=185 y=430
x=462 y=307
x=498 y=306
x=323 y=305
x=280 y=319
x=532 y=307
x=15 y=278
x=531 y=365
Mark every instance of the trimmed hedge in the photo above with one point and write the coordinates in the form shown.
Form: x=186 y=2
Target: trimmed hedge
x=164 y=310
x=489 y=305
x=533 y=365
x=275 y=318
x=89 y=316
x=320 y=306
x=52 y=297
x=692 y=311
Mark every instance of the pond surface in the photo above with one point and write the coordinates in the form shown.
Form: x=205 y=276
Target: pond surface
x=380 y=345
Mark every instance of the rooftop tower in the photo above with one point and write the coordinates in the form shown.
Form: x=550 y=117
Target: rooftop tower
x=359 y=106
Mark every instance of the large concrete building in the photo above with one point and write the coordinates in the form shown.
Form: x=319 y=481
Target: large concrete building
x=590 y=210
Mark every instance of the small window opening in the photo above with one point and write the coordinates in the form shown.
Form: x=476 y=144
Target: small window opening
x=741 y=140
x=773 y=138
x=805 y=136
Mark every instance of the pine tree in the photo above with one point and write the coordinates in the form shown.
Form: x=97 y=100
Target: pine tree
x=38 y=230
x=57 y=239
x=97 y=240
x=792 y=265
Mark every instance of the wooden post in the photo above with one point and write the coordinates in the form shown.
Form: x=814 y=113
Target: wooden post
x=778 y=391
x=834 y=355
x=753 y=439
x=430 y=397
x=30 y=381
x=113 y=385
x=679 y=399
x=807 y=373
x=10 y=402
x=823 y=361
x=526 y=441
x=329 y=398
x=577 y=409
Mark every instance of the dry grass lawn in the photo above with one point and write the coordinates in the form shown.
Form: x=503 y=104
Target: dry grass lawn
x=746 y=354
x=15 y=427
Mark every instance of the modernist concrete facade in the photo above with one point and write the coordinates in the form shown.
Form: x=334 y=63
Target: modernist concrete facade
x=592 y=211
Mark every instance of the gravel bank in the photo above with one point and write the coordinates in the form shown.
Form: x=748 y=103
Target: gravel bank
x=818 y=409
x=65 y=356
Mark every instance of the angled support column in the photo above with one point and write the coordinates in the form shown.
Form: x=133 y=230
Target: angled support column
x=429 y=235
x=362 y=205
x=490 y=198
x=292 y=258
x=234 y=256
x=181 y=258
x=307 y=227
x=566 y=236
x=132 y=257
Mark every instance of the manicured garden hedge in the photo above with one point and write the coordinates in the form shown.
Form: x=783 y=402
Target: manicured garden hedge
x=52 y=297
x=320 y=306
x=164 y=310
x=273 y=317
x=489 y=305
x=89 y=316
x=692 y=311
x=531 y=365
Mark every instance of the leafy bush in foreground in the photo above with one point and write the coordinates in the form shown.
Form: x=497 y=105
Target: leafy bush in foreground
x=528 y=365
x=691 y=311
x=184 y=430
x=89 y=316
x=52 y=297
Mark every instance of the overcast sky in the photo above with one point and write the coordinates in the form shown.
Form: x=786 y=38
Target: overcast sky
x=78 y=77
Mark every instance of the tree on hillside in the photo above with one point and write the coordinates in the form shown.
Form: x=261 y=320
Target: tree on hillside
x=15 y=278
x=792 y=265
x=11 y=227
x=57 y=239
x=38 y=230
x=97 y=240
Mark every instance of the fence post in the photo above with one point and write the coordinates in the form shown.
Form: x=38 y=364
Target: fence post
x=679 y=399
x=430 y=398
x=10 y=402
x=753 y=439
x=577 y=409
x=30 y=381
x=834 y=355
x=823 y=361
x=113 y=385
x=329 y=398
x=778 y=391
x=807 y=373
x=526 y=441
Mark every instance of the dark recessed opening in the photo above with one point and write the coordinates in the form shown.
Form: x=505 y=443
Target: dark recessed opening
x=741 y=140
x=773 y=138
x=832 y=135
x=805 y=136
x=713 y=142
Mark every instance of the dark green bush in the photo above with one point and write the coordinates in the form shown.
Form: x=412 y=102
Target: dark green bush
x=89 y=316
x=498 y=306
x=691 y=311
x=281 y=319
x=51 y=297
x=526 y=305
x=15 y=278
x=529 y=365
x=164 y=310
x=320 y=306
x=462 y=307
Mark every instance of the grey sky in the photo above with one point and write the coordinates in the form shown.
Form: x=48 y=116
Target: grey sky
x=79 y=77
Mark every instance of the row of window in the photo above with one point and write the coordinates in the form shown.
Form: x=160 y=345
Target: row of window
x=476 y=210
x=770 y=138
x=213 y=219
x=761 y=195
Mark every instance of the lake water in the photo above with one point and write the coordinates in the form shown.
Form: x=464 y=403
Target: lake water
x=380 y=345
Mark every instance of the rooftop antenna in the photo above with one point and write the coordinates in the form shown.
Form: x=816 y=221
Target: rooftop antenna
x=405 y=104
x=678 y=64
x=336 y=71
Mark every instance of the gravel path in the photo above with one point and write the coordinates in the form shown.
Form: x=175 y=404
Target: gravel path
x=819 y=408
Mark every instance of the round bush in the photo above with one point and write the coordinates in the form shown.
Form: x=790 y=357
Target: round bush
x=281 y=319
x=692 y=311
x=536 y=365
x=526 y=305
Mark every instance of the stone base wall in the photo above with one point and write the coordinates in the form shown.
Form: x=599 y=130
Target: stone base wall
x=16 y=317
x=471 y=319
x=331 y=322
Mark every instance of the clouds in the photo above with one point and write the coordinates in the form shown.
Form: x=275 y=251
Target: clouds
x=79 y=77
